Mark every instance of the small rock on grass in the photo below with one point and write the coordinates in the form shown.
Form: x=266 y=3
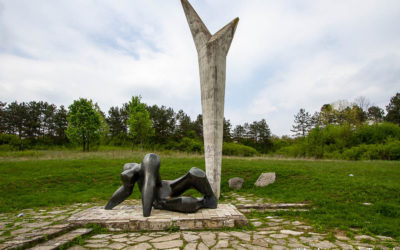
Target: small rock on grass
x=236 y=182
x=265 y=179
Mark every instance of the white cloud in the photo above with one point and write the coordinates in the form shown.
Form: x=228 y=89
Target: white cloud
x=286 y=55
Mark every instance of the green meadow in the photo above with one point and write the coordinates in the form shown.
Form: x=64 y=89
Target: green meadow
x=368 y=201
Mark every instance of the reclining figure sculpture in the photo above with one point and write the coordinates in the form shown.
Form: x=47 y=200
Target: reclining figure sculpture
x=163 y=194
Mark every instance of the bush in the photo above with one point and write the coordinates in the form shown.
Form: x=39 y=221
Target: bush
x=10 y=142
x=230 y=148
x=392 y=149
x=190 y=145
x=295 y=150
x=389 y=151
x=377 y=133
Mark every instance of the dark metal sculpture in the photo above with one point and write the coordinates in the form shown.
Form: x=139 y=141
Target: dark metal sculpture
x=163 y=194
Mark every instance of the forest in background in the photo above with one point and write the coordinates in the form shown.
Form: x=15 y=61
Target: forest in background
x=341 y=130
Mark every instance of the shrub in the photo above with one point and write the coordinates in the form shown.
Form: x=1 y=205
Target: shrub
x=389 y=151
x=392 y=149
x=230 y=148
x=377 y=133
x=190 y=145
x=10 y=142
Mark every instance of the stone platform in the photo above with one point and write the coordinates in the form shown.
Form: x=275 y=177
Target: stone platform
x=130 y=218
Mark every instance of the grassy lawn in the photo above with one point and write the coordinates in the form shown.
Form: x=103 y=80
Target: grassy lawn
x=50 y=178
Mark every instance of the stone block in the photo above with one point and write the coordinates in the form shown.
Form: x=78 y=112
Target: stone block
x=236 y=182
x=265 y=179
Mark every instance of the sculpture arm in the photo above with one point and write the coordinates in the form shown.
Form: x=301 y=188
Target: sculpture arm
x=129 y=176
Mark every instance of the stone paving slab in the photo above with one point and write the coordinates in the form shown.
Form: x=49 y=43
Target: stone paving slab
x=62 y=240
x=272 y=205
x=23 y=240
x=131 y=218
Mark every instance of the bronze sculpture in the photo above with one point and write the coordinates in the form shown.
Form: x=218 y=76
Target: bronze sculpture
x=162 y=194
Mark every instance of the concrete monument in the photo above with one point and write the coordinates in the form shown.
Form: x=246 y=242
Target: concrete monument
x=212 y=51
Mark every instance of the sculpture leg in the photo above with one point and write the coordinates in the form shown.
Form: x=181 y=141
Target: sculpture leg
x=182 y=204
x=197 y=179
x=124 y=191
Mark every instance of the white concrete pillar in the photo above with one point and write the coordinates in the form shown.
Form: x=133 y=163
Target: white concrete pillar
x=212 y=51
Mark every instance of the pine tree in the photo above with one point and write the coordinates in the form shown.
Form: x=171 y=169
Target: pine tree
x=302 y=123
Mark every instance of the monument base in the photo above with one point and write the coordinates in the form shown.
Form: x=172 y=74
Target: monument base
x=130 y=218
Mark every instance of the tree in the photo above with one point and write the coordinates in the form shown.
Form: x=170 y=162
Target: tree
x=48 y=114
x=239 y=133
x=140 y=126
x=198 y=126
x=363 y=103
x=260 y=132
x=351 y=115
x=60 y=124
x=16 y=118
x=163 y=120
x=83 y=123
x=327 y=115
x=258 y=136
x=302 y=123
x=393 y=110
x=375 y=114
x=184 y=126
x=227 y=136
x=3 y=119
x=117 y=123
x=104 y=128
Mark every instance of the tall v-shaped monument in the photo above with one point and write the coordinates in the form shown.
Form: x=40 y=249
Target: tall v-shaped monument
x=212 y=51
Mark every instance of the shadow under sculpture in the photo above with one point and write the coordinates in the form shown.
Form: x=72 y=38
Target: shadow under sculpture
x=163 y=194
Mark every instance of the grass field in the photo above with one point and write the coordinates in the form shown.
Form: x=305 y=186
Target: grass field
x=49 y=178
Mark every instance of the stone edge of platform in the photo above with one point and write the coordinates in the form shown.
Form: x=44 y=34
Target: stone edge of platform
x=226 y=216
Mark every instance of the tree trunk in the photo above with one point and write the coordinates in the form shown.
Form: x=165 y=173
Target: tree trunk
x=133 y=144
x=88 y=146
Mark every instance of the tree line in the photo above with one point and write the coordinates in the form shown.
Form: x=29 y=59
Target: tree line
x=344 y=130
x=133 y=124
x=341 y=130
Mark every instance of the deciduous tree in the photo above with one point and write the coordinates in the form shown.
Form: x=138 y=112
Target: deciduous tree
x=140 y=126
x=83 y=123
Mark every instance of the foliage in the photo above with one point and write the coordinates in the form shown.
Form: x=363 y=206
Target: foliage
x=345 y=142
x=256 y=135
x=35 y=123
x=140 y=127
x=10 y=142
x=375 y=114
x=117 y=123
x=303 y=123
x=163 y=121
x=389 y=151
x=83 y=123
x=104 y=129
x=230 y=148
x=190 y=145
x=393 y=110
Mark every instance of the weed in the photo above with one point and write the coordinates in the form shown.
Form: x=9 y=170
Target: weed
x=172 y=228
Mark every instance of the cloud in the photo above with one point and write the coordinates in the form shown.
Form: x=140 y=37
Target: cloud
x=286 y=55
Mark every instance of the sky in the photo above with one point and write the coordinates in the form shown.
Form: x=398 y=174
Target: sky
x=285 y=55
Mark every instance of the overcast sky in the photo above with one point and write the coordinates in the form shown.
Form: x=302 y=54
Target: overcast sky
x=285 y=55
